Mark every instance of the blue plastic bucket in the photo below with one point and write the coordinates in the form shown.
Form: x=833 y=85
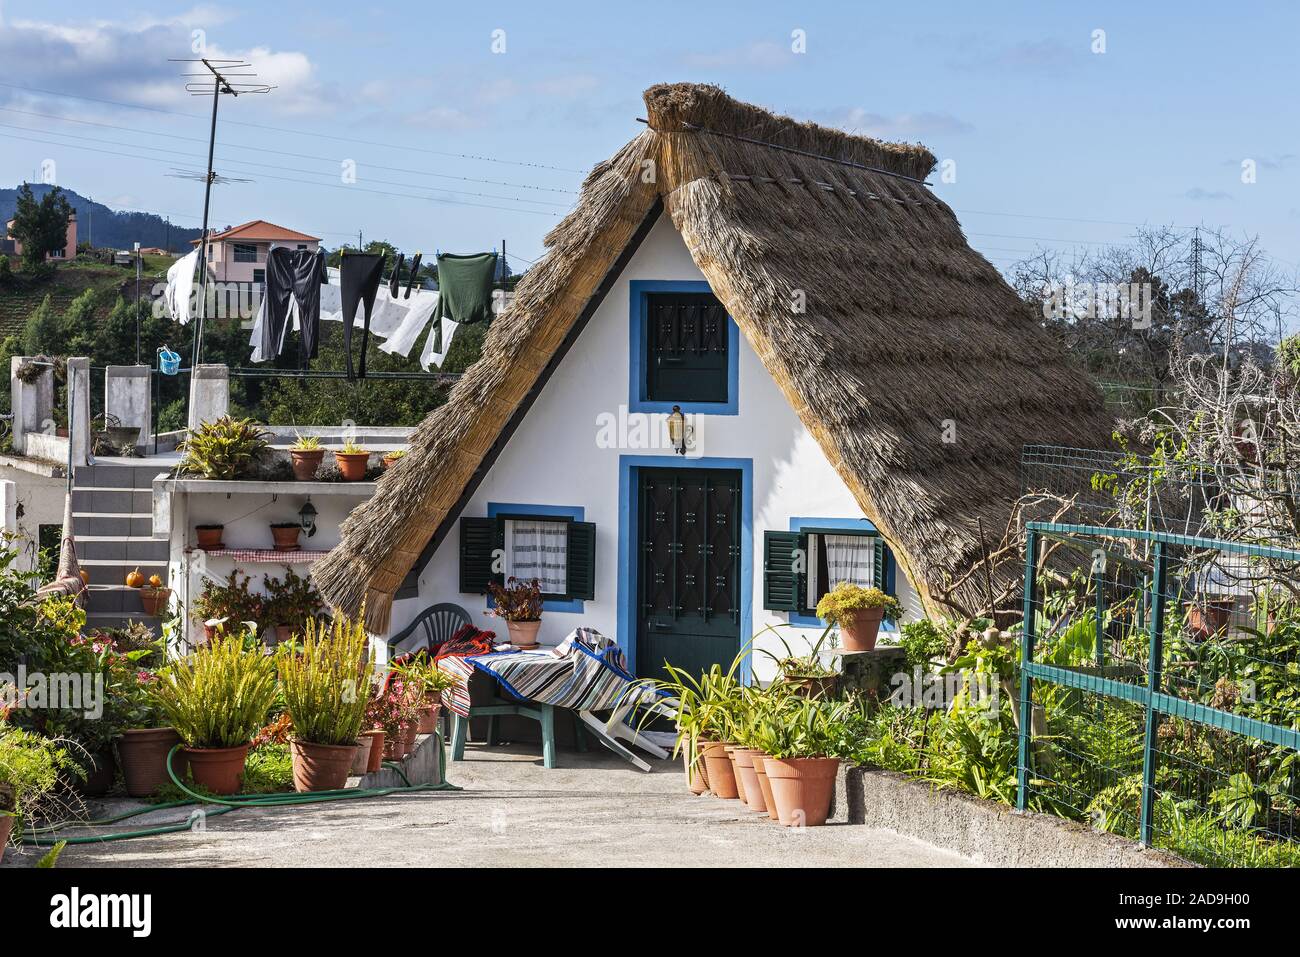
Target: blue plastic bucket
x=169 y=363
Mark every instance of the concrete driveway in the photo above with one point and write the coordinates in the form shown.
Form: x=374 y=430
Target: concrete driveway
x=594 y=810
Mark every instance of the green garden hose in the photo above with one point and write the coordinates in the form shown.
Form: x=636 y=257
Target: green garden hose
x=47 y=835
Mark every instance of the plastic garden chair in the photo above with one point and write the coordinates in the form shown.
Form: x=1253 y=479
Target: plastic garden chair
x=431 y=627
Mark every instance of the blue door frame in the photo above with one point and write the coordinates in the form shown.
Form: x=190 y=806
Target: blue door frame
x=629 y=567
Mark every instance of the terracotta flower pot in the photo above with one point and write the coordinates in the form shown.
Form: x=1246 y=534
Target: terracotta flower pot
x=819 y=687
x=352 y=465
x=429 y=718
x=376 y=750
x=859 y=629
x=154 y=600
x=696 y=778
x=6 y=825
x=305 y=463
x=735 y=773
x=361 y=755
x=143 y=753
x=409 y=734
x=285 y=537
x=1209 y=618
x=748 y=776
x=394 y=747
x=220 y=770
x=209 y=536
x=718 y=767
x=523 y=634
x=99 y=776
x=802 y=789
x=321 y=767
x=391 y=460
x=764 y=785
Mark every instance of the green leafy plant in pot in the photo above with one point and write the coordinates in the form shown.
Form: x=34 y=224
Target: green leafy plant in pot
x=352 y=460
x=32 y=768
x=217 y=698
x=146 y=739
x=858 y=611
x=809 y=673
x=801 y=739
x=423 y=674
x=225 y=448
x=326 y=683
x=306 y=454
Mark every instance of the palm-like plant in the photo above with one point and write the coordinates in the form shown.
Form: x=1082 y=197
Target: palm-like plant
x=327 y=681
x=224 y=448
x=219 y=696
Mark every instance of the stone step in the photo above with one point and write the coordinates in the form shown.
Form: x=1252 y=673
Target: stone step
x=125 y=551
x=112 y=501
x=99 y=524
x=116 y=476
x=109 y=573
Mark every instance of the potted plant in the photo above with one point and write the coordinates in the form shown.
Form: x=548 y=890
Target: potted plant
x=858 y=611
x=285 y=536
x=801 y=739
x=289 y=604
x=352 y=460
x=228 y=601
x=217 y=698
x=210 y=536
x=707 y=710
x=31 y=768
x=423 y=674
x=520 y=604
x=326 y=683
x=154 y=596
x=1208 y=617
x=808 y=674
x=146 y=739
x=306 y=454
x=223 y=449
x=393 y=456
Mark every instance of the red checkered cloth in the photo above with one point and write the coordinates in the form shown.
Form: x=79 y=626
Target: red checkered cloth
x=269 y=555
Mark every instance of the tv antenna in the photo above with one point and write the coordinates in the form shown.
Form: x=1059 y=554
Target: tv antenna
x=217 y=77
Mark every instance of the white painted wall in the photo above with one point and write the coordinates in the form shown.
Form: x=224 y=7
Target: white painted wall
x=41 y=498
x=554 y=459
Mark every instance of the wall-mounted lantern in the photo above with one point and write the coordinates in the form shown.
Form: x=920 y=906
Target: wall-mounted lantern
x=307 y=518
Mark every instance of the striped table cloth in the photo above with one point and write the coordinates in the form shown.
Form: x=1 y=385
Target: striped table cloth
x=585 y=672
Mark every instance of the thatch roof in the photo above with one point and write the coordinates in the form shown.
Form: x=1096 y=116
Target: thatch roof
x=905 y=327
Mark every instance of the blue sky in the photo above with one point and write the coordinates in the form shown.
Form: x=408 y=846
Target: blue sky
x=1054 y=144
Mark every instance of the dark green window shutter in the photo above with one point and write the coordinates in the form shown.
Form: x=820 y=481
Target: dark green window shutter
x=686 y=348
x=582 y=561
x=782 y=584
x=479 y=538
x=878 y=562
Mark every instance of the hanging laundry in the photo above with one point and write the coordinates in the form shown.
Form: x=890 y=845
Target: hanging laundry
x=359 y=278
x=395 y=280
x=291 y=275
x=180 y=287
x=417 y=316
x=438 y=344
x=415 y=275
x=465 y=286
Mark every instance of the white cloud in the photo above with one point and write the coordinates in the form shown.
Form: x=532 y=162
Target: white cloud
x=128 y=60
x=760 y=55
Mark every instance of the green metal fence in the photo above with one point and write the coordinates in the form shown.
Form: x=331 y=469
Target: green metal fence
x=1159 y=690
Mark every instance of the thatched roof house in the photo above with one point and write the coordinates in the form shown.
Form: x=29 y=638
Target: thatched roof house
x=900 y=349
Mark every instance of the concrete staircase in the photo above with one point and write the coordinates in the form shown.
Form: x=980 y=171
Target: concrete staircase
x=113 y=523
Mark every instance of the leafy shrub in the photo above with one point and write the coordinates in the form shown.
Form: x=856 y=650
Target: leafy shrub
x=326 y=682
x=225 y=448
x=30 y=770
x=219 y=696
x=846 y=598
x=923 y=642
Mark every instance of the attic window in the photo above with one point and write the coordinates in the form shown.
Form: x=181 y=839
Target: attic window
x=687 y=345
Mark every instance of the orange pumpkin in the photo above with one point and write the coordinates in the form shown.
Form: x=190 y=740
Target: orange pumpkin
x=134 y=579
x=85 y=577
x=155 y=581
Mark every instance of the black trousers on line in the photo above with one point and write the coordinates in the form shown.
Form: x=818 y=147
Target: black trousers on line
x=359 y=278
x=297 y=273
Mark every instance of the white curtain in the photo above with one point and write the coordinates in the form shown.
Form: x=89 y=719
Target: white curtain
x=850 y=558
x=538 y=550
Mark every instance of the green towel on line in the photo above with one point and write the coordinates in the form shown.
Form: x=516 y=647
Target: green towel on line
x=465 y=287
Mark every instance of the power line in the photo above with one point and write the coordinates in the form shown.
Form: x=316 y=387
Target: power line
x=288 y=169
x=263 y=149
x=354 y=188
x=278 y=129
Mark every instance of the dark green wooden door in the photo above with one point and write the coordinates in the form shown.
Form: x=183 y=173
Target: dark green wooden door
x=688 y=581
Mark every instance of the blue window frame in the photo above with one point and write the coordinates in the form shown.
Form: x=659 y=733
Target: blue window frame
x=860 y=525
x=574 y=512
x=639 y=344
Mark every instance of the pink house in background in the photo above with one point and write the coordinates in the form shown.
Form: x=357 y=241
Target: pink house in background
x=238 y=254
x=69 y=250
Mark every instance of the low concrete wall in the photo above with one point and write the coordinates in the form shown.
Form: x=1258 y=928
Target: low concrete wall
x=421 y=766
x=985 y=831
